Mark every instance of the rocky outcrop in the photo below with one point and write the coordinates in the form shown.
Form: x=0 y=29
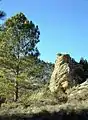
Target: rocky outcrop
x=78 y=93
x=66 y=73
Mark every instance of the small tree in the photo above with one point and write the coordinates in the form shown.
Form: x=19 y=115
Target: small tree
x=18 y=42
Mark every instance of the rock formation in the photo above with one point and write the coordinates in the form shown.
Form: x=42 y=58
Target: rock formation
x=65 y=73
x=78 y=93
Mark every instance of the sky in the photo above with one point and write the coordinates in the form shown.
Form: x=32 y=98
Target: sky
x=63 y=25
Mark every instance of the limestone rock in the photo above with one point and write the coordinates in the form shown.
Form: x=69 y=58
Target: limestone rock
x=65 y=73
x=78 y=93
x=60 y=75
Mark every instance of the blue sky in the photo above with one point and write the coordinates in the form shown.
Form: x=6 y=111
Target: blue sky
x=63 y=25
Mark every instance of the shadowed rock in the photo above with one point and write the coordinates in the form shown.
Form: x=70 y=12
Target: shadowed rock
x=2 y=100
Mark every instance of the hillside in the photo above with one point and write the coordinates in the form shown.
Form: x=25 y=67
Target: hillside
x=38 y=100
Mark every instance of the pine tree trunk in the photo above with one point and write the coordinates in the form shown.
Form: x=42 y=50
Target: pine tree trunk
x=16 y=91
x=17 y=74
x=16 y=85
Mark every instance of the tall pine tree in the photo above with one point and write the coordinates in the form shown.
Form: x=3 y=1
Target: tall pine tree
x=18 y=41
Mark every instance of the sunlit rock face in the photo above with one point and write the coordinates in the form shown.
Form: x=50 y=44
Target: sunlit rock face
x=63 y=75
x=78 y=93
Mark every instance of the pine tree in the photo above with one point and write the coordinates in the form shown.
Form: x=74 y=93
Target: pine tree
x=18 y=42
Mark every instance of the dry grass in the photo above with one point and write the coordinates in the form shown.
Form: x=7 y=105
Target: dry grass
x=44 y=100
